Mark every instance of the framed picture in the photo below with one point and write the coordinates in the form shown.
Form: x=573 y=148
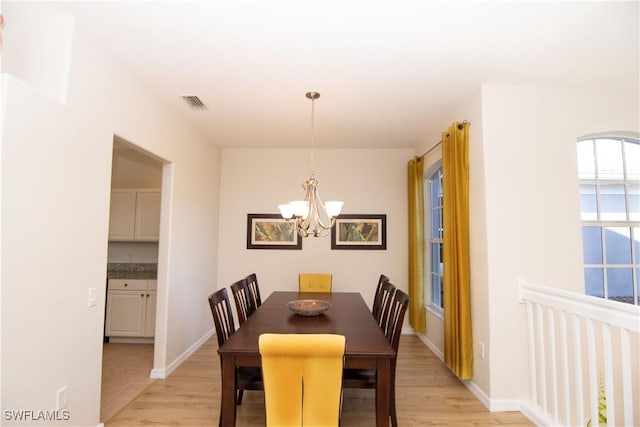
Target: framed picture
x=359 y=232
x=271 y=231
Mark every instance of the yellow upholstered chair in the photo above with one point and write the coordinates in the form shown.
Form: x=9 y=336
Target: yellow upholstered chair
x=314 y=282
x=302 y=376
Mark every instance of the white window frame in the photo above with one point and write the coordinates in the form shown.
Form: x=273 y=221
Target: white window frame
x=430 y=304
x=603 y=224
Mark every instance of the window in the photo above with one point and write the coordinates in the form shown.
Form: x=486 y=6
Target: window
x=434 y=239
x=609 y=174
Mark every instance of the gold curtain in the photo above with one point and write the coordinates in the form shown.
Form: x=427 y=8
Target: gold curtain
x=458 y=347
x=417 y=314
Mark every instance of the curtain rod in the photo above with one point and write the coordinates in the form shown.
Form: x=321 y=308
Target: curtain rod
x=460 y=127
x=432 y=148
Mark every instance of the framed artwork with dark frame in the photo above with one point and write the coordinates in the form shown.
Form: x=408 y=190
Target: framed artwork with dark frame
x=271 y=231
x=359 y=231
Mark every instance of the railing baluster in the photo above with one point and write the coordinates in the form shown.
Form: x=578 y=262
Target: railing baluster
x=564 y=367
x=608 y=374
x=577 y=364
x=593 y=373
x=532 y=351
x=627 y=389
x=553 y=363
x=542 y=360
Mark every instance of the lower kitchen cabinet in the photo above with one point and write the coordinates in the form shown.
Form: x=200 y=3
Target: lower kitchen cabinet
x=150 y=315
x=131 y=308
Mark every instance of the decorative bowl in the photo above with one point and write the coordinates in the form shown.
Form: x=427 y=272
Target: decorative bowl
x=308 y=307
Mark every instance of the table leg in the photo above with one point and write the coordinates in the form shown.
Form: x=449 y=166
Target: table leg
x=383 y=392
x=228 y=392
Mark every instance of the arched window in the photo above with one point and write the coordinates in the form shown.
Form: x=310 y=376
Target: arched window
x=609 y=174
x=434 y=282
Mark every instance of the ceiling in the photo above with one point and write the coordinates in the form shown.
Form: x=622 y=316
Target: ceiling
x=390 y=74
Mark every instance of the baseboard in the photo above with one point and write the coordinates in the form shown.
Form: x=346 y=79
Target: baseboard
x=536 y=416
x=162 y=373
x=493 y=405
x=507 y=405
x=504 y=405
x=480 y=394
x=126 y=340
x=435 y=350
x=407 y=330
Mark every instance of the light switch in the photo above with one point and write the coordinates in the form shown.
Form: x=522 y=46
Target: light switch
x=93 y=297
x=61 y=398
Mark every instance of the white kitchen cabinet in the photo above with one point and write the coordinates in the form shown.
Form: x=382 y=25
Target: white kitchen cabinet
x=131 y=308
x=122 y=214
x=147 y=215
x=134 y=215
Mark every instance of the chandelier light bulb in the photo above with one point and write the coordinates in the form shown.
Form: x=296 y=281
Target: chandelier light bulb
x=286 y=211
x=333 y=208
x=300 y=208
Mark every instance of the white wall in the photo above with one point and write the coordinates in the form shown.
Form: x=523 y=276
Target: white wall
x=368 y=181
x=532 y=206
x=55 y=206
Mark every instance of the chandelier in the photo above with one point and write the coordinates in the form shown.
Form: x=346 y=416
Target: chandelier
x=312 y=216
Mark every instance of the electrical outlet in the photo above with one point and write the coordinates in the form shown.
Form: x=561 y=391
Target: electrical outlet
x=481 y=350
x=61 y=398
x=93 y=297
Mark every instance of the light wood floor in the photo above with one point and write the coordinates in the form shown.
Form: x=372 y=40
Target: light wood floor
x=426 y=394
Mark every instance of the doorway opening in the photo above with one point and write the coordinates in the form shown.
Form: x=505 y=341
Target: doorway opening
x=131 y=282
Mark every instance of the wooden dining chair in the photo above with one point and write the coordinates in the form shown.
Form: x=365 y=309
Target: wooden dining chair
x=243 y=300
x=314 y=282
x=375 y=308
x=254 y=289
x=247 y=378
x=366 y=378
x=302 y=378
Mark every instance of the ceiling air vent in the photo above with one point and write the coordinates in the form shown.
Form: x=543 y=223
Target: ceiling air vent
x=194 y=102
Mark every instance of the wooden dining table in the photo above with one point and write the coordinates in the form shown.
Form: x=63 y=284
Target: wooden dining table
x=349 y=315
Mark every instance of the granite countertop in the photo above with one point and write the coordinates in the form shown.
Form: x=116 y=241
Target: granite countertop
x=122 y=270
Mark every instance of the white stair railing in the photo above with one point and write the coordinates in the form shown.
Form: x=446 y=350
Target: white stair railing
x=584 y=358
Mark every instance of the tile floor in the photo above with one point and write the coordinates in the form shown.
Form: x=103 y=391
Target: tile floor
x=125 y=373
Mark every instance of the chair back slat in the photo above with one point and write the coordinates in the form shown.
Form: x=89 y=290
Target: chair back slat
x=254 y=289
x=222 y=315
x=244 y=303
x=376 y=308
x=387 y=290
